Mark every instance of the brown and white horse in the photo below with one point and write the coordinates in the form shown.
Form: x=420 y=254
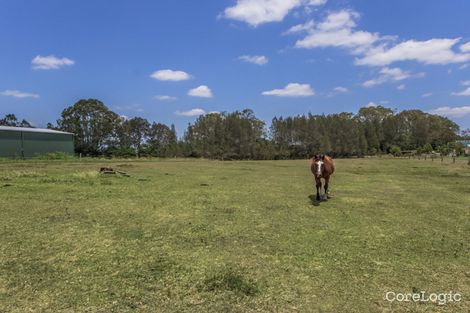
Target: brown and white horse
x=322 y=166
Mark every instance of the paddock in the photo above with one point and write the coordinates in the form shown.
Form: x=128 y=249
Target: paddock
x=210 y=236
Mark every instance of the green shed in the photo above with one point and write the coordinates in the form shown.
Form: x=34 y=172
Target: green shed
x=21 y=142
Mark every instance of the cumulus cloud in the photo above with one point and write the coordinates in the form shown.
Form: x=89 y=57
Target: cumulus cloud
x=452 y=112
x=466 y=91
x=165 y=98
x=50 y=62
x=433 y=51
x=299 y=28
x=255 y=59
x=388 y=74
x=401 y=87
x=464 y=66
x=18 y=94
x=170 y=75
x=202 y=91
x=257 y=12
x=339 y=29
x=192 y=112
x=340 y=89
x=336 y=30
x=465 y=47
x=426 y=95
x=292 y=90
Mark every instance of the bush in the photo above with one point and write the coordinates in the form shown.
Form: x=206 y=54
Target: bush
x=54 y=156
x=395 y=150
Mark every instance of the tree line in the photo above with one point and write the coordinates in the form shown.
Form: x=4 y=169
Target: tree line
x=241 y=135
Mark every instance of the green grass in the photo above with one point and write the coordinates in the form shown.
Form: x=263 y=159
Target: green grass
x=209 y=236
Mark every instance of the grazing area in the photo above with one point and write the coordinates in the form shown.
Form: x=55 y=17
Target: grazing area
x=236 y=236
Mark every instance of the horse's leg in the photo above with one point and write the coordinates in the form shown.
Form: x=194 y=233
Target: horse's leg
x=327 y=180
x=318 y=182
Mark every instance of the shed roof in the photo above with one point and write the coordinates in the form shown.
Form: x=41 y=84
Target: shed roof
x=33 y=130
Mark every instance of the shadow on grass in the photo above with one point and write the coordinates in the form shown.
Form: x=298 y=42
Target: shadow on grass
x=315 y=202
x=230 y=280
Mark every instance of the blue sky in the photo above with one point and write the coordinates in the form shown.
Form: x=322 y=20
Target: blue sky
x=170 y=60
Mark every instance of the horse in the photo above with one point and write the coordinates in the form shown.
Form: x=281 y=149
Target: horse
x=322 y=166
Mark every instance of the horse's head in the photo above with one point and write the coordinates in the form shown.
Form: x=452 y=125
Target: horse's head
x=318 y=161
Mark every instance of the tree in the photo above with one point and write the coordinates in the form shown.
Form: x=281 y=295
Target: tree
x=373 y=119
x=93 y=124
x=161 y=139
x=11 y=120
x=135 y=131
x=236 y=135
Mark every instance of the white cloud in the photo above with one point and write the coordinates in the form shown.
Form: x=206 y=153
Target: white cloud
x=201 y=91
x=292 y=90
x=338 y=38
x=18 y=94
x=433 y=51
x=339 y=20
x=337 y=30
x=165 y=98
x=464 y=66
x=50 y=62
x=316 y=2
x=306 y=27
x=170 y=75
x=255 y=59
x=372 y=104
x=401 y=87
x=192 y=112
x=388 y=74
x=465 y=47
x=452 y=112
x=465 y=92
x=340 y=89
x=257 y=12
x=426 y=95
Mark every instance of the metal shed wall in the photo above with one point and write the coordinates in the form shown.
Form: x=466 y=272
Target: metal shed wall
x=10 y=144
x=26 y=144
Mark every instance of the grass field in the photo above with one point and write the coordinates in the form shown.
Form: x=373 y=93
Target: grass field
x=209 y=236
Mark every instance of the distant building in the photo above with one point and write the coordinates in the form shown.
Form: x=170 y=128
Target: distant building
x=21 y=142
